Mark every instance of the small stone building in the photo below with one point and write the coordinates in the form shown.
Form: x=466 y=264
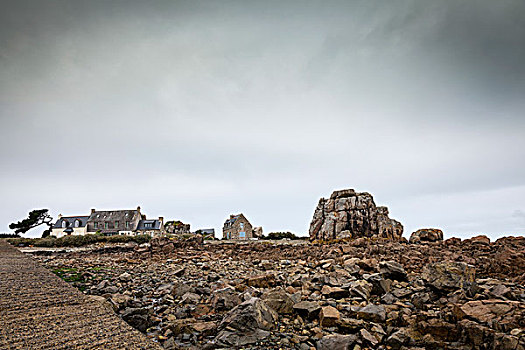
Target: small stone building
x=237 y=227
x=152 y=227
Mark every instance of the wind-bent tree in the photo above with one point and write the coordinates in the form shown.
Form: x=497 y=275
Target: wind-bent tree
x=35 y=218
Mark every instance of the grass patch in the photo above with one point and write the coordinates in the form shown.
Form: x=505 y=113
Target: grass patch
x=69 y=274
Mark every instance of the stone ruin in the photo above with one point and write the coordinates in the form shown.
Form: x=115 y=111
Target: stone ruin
x=176 y=227
x=349 y=215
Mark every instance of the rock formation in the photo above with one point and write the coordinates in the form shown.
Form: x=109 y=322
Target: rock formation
x=348 y=214
x=426 y=235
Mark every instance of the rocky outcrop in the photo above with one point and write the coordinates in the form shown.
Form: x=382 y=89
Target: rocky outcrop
x=349 y=214
x=426 y=235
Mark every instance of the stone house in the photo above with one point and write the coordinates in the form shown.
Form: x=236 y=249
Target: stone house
x=114 y=222
x=154 y=227
x=69 y=225
x=237 y=227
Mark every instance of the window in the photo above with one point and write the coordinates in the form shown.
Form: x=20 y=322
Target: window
x=116 y=224
x=77 y=223
x=148 y=224
x=127 y=224
x=95 y=225
x=64 y=223
x=242 y=234
x=242 y=226
x=106 y=225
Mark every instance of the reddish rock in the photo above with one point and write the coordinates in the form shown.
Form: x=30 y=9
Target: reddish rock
x=351 y=215
x=329 y=316
x=482 y=239
x=500 y=313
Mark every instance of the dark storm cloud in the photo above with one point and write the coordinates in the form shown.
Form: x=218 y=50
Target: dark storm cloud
x=196 y=109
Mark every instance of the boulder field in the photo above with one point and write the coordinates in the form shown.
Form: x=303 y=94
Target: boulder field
x=449 y=294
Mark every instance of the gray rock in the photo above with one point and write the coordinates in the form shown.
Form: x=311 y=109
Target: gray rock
x=361 y=289
x=336 y=342
x=307 y=309
x=380 y=285
x=352 y=215
x=279 y=300
x=449 y=276
x=125 y=277
x=225 y=299
x=392 y=270
x=246 y=324
x=370 y=312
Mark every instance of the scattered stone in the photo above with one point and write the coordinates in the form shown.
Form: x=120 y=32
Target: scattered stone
x=307 y=309
x=361 y=289
x=318 y=294
x=334 y=292
x=337 y=341
x=261 y=281
x=370 y=312
x=279 y=300
x=329 y=316
x=125 y=277
x=392 y=270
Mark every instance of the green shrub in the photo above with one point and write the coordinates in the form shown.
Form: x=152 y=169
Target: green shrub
x=281 y=235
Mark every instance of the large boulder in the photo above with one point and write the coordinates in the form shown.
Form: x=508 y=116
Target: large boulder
x=279 y=300
x=500 y=314
x=337 y=341
x=348 y=214
x=449 y=276
x=426 y=235
x=246 y=324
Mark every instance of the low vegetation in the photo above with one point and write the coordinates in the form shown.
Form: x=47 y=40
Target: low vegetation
x=9 y=235
x=282 y=235
x=76 y=241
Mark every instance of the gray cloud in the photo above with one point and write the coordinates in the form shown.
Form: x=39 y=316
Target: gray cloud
x=198 y=109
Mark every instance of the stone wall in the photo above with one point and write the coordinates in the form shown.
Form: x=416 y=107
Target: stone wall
x=351 y=215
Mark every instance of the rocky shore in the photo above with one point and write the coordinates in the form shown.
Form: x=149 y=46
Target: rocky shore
x=366 y=294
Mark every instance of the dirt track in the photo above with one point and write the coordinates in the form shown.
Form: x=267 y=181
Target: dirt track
x=40 y=311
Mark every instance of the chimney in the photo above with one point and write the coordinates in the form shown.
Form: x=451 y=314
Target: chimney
x=161 y=219
x=92 y=210
x=59 y=216
x=138 y=209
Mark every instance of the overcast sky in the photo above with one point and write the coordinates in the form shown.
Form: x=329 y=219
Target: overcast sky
x=195 y=110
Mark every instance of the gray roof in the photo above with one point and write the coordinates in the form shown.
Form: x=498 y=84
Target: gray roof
x=232 y=220
x=155 y=225
x=115 y=215
x=207 y=231
x=71 y=221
